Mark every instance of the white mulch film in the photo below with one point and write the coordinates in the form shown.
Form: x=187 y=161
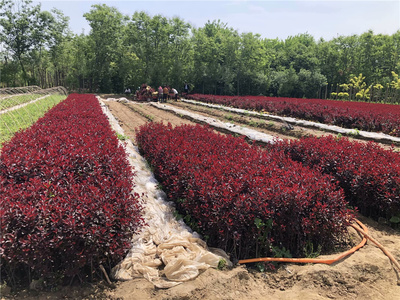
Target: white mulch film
x=377 y=136
x=164 y=241
x=250 y=133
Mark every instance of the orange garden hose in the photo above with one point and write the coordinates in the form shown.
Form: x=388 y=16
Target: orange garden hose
x=318 y=260
x=388 y=254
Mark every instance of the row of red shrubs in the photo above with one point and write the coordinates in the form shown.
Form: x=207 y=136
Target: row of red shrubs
x=65 y=195
x=241 y=196
x=376 y=117
x=368 y=174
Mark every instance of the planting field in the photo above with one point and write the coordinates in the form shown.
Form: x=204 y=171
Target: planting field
x=374 y=117
x=21 y=107
x=367 y=274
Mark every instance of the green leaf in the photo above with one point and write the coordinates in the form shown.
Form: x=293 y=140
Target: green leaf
x=395 y=220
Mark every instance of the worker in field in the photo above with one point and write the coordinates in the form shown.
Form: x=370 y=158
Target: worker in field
x=160 y=94
x=165 y=94
x=175 y=94
x=186 y=88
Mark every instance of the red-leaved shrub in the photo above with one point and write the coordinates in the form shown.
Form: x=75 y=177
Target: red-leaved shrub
x=65 y=194
x=362 y=115
x=368 y=174
x=230 y=190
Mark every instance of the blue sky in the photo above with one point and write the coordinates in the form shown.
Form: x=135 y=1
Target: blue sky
x=270 y=19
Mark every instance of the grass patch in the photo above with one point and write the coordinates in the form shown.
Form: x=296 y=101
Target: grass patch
x=24 y=117
x=11 y=101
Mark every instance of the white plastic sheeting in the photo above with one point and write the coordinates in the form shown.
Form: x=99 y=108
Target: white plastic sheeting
x=164 y=241
x=250 y=133
x=377 y=136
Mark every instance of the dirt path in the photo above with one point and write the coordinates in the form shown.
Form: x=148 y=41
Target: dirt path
x=269 y=127
x=133 y=115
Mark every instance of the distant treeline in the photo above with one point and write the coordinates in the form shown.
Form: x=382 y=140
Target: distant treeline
x=123 y=51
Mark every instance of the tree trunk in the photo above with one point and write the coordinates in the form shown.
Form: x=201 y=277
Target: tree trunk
x=238 y=84
x=23 y=69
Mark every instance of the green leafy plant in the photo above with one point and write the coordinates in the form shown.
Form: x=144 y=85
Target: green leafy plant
x=229 y=117
x=354 y=132
x=395 y=221
x=309 y=250
x=261 y=266
x=253 y=123
x=281 y=252
x=122 y=137
x=343 y=95
x=221 y=264
x=263 y=229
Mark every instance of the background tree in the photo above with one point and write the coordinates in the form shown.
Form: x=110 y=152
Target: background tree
x=162 y=49
x=252 y=66
x=20 y=23
x=28 y=35
x=80 y=54
x=125 y=51
x=105 y=38
x=215 y=58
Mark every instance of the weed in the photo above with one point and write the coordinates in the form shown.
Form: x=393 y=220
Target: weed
x=122 y=137
x=395 y=221
x=253 y=123
x=261 y=266
x=264 y=229
x=281 y=252
x=221 y=264
x=149 y=117
x=309 y=250
x=355 y=132
x=229 y=117
x=177 y=215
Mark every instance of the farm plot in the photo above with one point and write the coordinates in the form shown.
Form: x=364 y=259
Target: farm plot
x=366 y=274
x=350 y=279
x=373 y=178
x=19 y=108
x=11 y=101
x=239 y=195
x=276 y=127
x=374 y=117
x=132 y=115
x=65 y=195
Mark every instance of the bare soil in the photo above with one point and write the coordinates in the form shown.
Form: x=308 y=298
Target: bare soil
x=272 y=127
x=366 y=274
